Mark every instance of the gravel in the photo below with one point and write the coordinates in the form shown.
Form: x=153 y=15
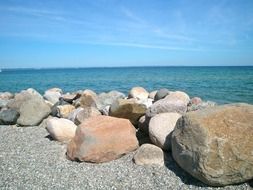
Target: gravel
x=29 y=159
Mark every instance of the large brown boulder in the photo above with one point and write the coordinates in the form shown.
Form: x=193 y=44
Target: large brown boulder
x=101 y=139
x=215 y=144
x=128 y=109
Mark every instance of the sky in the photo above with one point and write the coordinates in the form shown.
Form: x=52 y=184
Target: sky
x=114 y=33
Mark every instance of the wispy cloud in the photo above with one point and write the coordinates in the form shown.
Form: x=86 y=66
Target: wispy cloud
x=144 y=46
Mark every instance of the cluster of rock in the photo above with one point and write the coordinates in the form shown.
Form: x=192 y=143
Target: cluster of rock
x=212 y=143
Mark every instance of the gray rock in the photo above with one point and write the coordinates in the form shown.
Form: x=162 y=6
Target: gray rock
x=106 y=99
x=8 y=117
x=4 y=103
x=149 y=155
x=215 y=144
x=23 y=96
x=161 y=94
x=166 y=105
x=200 y=106
x=32 y=112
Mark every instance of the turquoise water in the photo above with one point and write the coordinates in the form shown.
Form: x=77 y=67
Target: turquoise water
x=219 y=84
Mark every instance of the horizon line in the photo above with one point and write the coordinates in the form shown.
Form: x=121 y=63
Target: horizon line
x=97 y=67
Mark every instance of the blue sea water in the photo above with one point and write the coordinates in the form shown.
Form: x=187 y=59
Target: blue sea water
x=219 y=84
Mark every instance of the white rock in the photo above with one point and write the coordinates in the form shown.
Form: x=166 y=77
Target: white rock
x=61 y=129
x=161 y=127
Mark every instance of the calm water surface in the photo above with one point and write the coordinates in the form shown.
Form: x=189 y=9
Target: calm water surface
x=219 y=84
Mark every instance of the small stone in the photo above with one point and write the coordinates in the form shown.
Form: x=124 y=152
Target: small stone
x=149 y=155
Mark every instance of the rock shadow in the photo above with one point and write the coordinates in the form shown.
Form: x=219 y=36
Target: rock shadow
x=186 y=178
x=49 y=137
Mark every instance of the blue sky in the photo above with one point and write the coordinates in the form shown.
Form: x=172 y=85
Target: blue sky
x=94 y=33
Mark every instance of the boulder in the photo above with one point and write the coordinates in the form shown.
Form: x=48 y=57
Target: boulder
x=178 y=96
x=6 y=96
x=149 y=155
x=152 y=94
x=161 y=127
x=23 y=96
x=167 y=106
x=128 y=109
x=32 y=112
x=101 y=139
x=61 y=129
x=138 y=93
x=8 y=117
x=63 y=111
x=215 y=144
x=162 y=93
x=86 y=113
x=52 y=95
x=106 y=99
x=70 y=97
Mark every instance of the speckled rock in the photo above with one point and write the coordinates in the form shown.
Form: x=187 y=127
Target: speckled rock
x=102 y=139
x=149 y=155
x=215 y=144
x=161 y=127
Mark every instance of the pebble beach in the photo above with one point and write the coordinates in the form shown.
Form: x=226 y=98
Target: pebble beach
x=31 y=160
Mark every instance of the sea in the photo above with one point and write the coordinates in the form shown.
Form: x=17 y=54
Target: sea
x=219 y=84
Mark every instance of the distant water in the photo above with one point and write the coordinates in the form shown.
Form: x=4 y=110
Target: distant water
x=219 y=84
